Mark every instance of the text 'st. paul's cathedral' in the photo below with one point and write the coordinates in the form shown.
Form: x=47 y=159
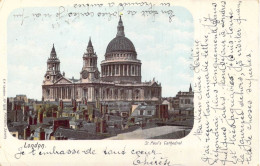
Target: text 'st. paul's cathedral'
x=119 y=80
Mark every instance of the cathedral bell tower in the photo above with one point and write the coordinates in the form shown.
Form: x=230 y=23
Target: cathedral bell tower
x=53 y=68
x=89 y=72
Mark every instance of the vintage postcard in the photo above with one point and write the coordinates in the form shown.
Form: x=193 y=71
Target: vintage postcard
x=129 y=82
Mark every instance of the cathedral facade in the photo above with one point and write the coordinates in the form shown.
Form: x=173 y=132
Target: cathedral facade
x=119 y=79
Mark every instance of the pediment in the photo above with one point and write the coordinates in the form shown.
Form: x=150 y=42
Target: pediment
x=63 y=80
x=154 y=84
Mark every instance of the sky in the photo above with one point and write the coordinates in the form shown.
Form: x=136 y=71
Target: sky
x=163 y=47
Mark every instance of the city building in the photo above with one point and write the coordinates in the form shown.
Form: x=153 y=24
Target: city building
x=119 y=79
x=19 y=99
x=183 y=102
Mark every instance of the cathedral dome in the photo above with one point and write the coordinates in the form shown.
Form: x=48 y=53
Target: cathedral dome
x=121 y=64
x=120 y=44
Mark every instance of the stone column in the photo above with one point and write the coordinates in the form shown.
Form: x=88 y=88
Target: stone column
x=123 y=70
x=112 y=70
x=139 y=71
x=119 y=68
x=67 y=93
x=115 y=70
x=100 y=93
x=132 y=67
x=60 y=92
x=109 y=69
x=108 y=73
x=127 y=70
x=51 y=93
x=56 y=92
x=112 y=91
x=142 y=93
x=130 y=70
x=89 y=94
x=64 y=92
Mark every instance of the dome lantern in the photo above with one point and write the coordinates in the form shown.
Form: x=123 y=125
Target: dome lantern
x=120 y=28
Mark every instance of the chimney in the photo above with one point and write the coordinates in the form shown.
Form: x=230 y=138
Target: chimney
x=106 y=109
x=35 y=120
x=74 y=105
x=15 y=115
x=27 y=132
x=42 y=134
x=61 y=104
x=101 y=108
x=30 y=120
x=103 y=126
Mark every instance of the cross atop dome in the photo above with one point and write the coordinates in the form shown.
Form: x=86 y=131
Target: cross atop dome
x=120 y=27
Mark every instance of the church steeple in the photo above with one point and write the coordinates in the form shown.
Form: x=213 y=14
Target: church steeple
x=120 y=28
x=190 y=89
x=89 y=70
x=53 y=67
x=90 y=48
x=89 y=42
x=53 y=52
